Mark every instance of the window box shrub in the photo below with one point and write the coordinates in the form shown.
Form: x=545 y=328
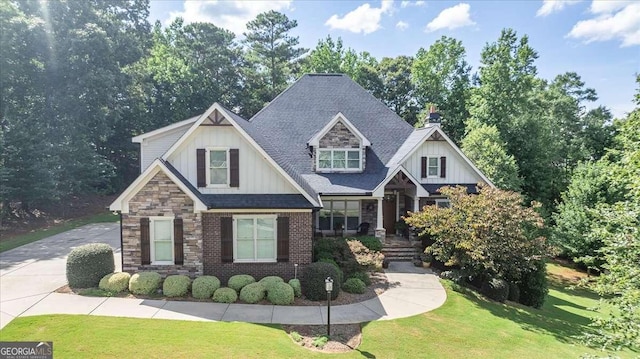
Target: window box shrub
x=145 y=283
x=253 y=293
x=176 y=286
x=115 y=282
x=238 y=281
x=204 y=287
x=225 y=295
x=281 y=294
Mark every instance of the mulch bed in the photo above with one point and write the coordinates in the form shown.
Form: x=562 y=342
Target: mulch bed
x=344 y=337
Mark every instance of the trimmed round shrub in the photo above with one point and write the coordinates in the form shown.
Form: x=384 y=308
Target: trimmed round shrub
x=297 y=289
x=280 y=293
x=145 y=283
x=238 y=281
x=496 y=289
x=204 y=287
x=270 y=281
x=176 y=286
x=354 y=285
x=514 y=292
x=88 y=264
x=533 y=287
x=115 y=282
x=225 y=295
x=253 y=293
x=313 y=278
x=335 y=264
x=363 y=276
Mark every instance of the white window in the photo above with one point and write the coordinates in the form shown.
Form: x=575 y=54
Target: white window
x=339 y=159
x=339 y=214
x=443 y=203
x=433 y=167
x=218 y=167
x=161 y=235
x=254 y=238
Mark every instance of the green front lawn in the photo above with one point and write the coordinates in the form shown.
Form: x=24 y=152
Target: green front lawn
x=466 y=326
x=17 y=241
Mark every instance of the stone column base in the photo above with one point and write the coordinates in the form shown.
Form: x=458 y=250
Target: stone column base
x=381 y=233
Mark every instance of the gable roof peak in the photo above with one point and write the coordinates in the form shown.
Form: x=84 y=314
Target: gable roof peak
x=339 y=117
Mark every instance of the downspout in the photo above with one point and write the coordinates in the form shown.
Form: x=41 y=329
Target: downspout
x=121 y=243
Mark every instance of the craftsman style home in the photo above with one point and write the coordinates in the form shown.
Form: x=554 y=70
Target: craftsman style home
x=219 y=194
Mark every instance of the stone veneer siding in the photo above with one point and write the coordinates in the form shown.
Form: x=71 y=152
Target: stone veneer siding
x=300 y=249
x=161 y=197
x=340 y=137
x=369 y=216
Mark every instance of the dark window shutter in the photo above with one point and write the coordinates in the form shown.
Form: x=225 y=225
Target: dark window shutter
x=226 y=239
x=145 y=245
x=201 y=167
x=283 y=239
x=443 y=167
x=423 y=168
x=234 y=168
x=178 y=249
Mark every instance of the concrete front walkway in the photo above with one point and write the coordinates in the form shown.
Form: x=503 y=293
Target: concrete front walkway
x=412 y=291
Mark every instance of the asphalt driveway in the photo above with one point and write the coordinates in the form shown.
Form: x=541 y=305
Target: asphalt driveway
x=30 y=272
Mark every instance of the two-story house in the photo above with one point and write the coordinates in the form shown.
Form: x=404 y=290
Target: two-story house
x=220 y=195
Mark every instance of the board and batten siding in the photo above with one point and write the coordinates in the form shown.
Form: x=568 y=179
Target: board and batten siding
x=458 y=170
x=257 y=175
x=156 y=146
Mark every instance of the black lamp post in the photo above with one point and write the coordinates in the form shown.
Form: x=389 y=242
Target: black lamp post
x=328 y=285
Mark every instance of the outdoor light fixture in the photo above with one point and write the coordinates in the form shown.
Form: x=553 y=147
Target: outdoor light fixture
x=295 y=271
x=328 y=285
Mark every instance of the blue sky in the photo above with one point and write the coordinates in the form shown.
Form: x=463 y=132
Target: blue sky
x=600 y=40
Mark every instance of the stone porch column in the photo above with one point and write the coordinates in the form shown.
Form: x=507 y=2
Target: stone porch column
x=380 y=231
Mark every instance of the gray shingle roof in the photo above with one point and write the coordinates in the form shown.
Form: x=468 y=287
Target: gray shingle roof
x=284 y=126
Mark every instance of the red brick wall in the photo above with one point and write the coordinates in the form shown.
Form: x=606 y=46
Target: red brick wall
x=300 y=249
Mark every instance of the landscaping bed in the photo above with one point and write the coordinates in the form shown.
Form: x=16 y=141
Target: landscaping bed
x=344 y=337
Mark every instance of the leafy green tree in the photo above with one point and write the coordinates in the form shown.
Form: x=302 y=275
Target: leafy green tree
x=398 y=92
x=590 y=186
x=441 y=77
x=472 y=233
x=327 y=57
x=272 y=52
x=486 y=149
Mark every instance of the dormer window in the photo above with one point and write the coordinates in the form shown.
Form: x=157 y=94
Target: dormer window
x=339 y=159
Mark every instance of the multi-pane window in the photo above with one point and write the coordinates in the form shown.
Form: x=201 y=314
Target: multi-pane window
x=161 y=233
x=433 y=167
x=254 y=238
x=218 y=167
x=443 y=203
x=339 y=214
x=339 y=159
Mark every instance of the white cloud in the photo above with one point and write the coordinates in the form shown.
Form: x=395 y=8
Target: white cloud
x=621 y=22
x=607 y=6
x=231 y=15
x=404 y=4
x=364 y=18
x=550 y=6
x=401 y=25
x=451 y=18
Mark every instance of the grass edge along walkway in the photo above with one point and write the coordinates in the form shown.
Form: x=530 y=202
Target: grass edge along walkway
x=466 y=326
x=38 y=234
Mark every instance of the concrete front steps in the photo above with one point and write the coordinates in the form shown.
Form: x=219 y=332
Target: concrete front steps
x=400 y=250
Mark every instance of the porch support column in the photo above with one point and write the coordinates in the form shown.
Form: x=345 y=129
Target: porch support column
x=380 y=231
x=416 y=204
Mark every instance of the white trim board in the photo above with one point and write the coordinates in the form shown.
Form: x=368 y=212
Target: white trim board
x=379 y=190
x=315 y=140
x=161 y=130
x=122 y=202
x=248 y=138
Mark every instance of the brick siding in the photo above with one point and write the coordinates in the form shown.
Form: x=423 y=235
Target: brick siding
x=300 y=249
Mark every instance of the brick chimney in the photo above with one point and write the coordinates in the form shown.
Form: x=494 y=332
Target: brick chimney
x=434 y=117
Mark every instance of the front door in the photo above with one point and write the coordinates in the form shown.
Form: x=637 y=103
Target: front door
x=389 y=214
